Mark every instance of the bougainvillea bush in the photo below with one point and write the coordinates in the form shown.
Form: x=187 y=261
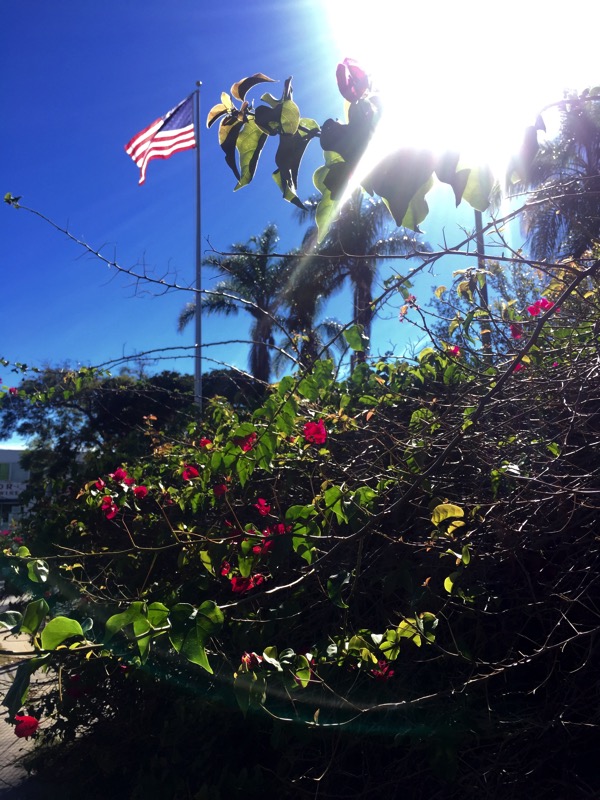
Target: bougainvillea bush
x=362 y=586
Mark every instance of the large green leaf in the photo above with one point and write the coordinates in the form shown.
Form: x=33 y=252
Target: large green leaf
x=355 y=339
x=34 y=615
x=191 y=629
x=117 y=622
x=58 y=630
x=19 y=688
x=250 y=142
x=479 y=187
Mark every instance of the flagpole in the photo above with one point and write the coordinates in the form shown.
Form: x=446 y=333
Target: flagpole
x=198 y=317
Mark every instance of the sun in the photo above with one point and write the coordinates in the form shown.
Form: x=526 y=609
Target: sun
x=462 y=76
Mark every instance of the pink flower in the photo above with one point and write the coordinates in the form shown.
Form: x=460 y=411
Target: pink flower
x=109 y=507
x=262 y=507
x=454 y=351
x=5 y=533
x=516 y=330
x=18 y=540
x=383 y=672
x=246 y=442
x=119 y=474
x=14 y=390
x=189 y=472
x=315 y=433
x=25 y=726
x=540 y=305
x=352 y=80
x=100 y=484
x=519 y=367
x=140 y=492
x=204 y=442
x=129 y=481
x=220 y=489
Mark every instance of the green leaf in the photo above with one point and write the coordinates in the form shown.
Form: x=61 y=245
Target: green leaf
x=250 y=690
x=35 y=613
x=450 y=582
x=479 y=187
x=446 y=511
x=16 y=696
x=302 y=670
x=38 y=571
x=117 y=622
x=249 y=145
x=334 y=503
x=58 y=630
x=10 y=620
x=191 y=629
x=335 y=584
x=355 y=338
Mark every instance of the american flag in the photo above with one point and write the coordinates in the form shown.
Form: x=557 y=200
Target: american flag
x=165 y=136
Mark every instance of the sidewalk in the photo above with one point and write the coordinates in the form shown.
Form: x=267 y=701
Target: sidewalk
x=15 y=784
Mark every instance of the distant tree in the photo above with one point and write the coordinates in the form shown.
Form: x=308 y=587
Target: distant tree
x=354 y=244
x=562 y=217
x=252 y=280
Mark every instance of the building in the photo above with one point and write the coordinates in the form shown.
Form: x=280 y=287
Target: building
x=13 y=480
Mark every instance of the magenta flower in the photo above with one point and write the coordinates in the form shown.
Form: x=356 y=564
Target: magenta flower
x=383 y=672
x=140 y=492
x=100 y=484
x=241 y=585
x=262 y=507
x=189 y=472
x=225 y=568
x=204 y=442
x=109 y=507
x=315 y=433
x=519 y=367
x=352 y=80
x=454 y=351
x=13 y=390
x=540 y=305
x=25 y=726
x=119 y=474
x=516 y=330
x=220 y=489
x=246 y=442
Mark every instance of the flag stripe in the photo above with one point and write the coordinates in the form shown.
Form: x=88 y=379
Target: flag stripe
x=163 y=137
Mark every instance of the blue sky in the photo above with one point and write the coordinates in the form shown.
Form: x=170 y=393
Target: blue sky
x=79 y=80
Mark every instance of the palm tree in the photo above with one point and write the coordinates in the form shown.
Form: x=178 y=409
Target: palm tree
x=562 y=219
x=252 y=281
x=354 y=245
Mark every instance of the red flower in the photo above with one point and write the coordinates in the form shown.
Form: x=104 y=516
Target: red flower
x=5 y=533
x=544 y=304
x=352 y=80
x=454 y=351
x=100 y=484
x=25 y=726
x=246 y=442
x=225 y=568
x=204 y=442
x=519 y=367
x=315 y=433
x=129 y=481
x=189 y=472
x=251 y=660
x=109 y=507
x=516 y=330
x=240 y=585
x=262 y=507
x=119 y=474
x=140 y=492
x=220 y=489
x=383 y=672
x=13 y=390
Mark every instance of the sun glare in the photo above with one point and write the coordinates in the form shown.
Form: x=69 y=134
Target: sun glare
x=465 y=75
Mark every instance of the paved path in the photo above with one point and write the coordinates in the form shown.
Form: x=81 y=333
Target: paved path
x=15 y=784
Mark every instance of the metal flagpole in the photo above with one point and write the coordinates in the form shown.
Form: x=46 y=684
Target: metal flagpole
x=198 y=340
